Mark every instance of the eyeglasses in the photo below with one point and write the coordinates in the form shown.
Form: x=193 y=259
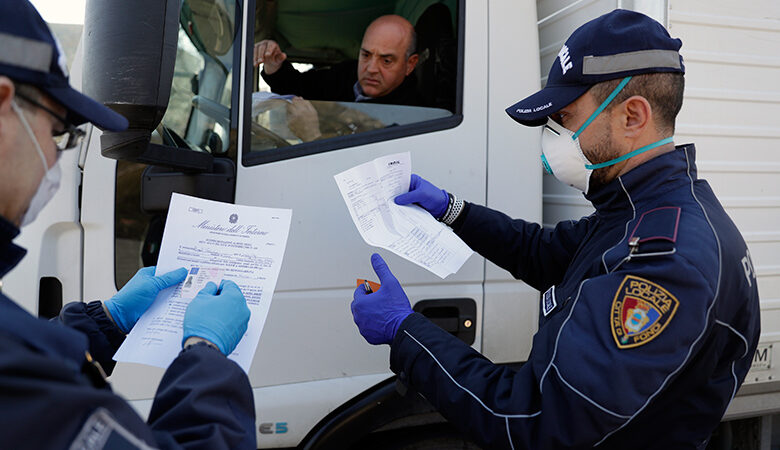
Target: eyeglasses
x=70 y=137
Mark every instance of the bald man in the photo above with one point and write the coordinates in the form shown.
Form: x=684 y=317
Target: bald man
x=380 y=75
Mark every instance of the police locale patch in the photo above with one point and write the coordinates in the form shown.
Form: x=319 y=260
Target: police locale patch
x=640 y=311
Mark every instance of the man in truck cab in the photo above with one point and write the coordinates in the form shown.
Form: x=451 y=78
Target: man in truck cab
x=380 y=75
x=650 y=314
x=53 y=392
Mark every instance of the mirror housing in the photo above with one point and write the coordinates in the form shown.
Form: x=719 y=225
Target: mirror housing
x=129 y=57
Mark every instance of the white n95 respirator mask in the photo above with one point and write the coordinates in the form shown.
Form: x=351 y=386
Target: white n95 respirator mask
x=563 y=157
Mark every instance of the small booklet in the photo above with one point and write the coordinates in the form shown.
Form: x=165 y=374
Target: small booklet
x=214 y=241
x=408 y=231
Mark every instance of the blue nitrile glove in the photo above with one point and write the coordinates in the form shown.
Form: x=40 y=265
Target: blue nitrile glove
x=218 y=315
x=135 y=297
x=422 y=192
x=378 y=315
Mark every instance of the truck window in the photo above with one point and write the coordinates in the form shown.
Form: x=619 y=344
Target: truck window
x=331 y=92
x=199 y=107
x=198 y=118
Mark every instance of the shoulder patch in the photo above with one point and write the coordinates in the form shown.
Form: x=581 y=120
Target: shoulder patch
x=641 y=310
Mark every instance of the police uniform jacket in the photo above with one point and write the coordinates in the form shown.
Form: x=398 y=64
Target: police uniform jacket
x=52 y=395
x=647 y=325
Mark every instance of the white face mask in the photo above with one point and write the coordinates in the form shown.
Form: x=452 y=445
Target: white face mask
x=562 y=155
x=51 y=180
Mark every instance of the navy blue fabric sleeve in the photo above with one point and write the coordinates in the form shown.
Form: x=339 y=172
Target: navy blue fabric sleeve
x=566 y=395
x=103 y=334
x=204 y=401
x=46 y=400
x=539 y=256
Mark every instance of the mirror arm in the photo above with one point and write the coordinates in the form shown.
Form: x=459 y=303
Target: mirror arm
x=134 y=145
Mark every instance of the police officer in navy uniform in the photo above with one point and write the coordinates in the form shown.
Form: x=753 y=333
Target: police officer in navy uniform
x=53 y=393
x=649 y=316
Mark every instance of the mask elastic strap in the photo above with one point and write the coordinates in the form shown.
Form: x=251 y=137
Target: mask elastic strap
x=30 y=133
x=546 y=164
x=630 y=154
x=603 y=105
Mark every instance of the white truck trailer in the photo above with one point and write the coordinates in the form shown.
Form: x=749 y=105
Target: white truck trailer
x=182 y=73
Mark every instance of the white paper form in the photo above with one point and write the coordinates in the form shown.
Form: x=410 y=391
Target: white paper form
x=213 y=241
x=408 y=231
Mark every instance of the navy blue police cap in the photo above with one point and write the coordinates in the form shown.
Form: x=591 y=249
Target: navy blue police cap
x=30 y=54
x=615 y=45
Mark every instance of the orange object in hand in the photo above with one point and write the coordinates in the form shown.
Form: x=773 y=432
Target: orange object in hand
x=369 y=285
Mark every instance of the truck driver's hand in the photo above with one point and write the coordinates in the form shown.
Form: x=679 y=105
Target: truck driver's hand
x=218 y=315
x=378 y=315
x=129 y=304
x=425 y=194
x=303 y=120
x=269 y=53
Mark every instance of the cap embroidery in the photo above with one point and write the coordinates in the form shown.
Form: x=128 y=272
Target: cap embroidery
x=565 y=59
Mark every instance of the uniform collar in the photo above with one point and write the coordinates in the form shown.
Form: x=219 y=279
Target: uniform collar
x=647 y=181
x=10 y=253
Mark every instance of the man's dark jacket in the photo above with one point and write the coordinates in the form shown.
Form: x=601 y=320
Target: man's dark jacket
x=52 y=395
x=648 y=322
x=336 y=83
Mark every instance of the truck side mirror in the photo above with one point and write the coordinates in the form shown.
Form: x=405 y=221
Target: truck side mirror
x=209 y=25
x=130 y=51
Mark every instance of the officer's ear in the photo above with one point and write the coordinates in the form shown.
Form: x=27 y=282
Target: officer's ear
x=7 y=92
x=635 y=115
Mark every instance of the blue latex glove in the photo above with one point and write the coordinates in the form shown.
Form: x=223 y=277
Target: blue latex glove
x=135 y=297
x=218 y=315
x=379 y=315
x=425 y=194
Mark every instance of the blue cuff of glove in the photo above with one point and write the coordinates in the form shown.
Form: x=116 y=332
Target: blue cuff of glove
x=439 y=214
x=117 y=316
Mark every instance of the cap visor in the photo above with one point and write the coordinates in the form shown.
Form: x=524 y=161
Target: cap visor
x=533 y=111
x=83 y=109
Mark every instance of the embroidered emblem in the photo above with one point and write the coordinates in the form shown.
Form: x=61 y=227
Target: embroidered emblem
x=565 y=59
x=640 y=311
x=548 y=301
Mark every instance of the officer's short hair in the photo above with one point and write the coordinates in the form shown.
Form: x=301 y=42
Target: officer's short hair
x=664 y=92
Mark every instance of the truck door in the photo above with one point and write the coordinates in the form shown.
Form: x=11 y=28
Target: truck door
x=310 y=334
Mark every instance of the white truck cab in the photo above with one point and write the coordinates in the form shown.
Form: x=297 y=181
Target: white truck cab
x=182 y=72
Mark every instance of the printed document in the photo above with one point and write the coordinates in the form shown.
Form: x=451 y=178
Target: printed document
x=213 y=241
x=408 y=231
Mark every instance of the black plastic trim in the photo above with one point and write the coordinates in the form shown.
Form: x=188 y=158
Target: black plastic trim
x=367 y=412
x=452 y=315
x=372 y=410
x=49 y=297
x=249 y=158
